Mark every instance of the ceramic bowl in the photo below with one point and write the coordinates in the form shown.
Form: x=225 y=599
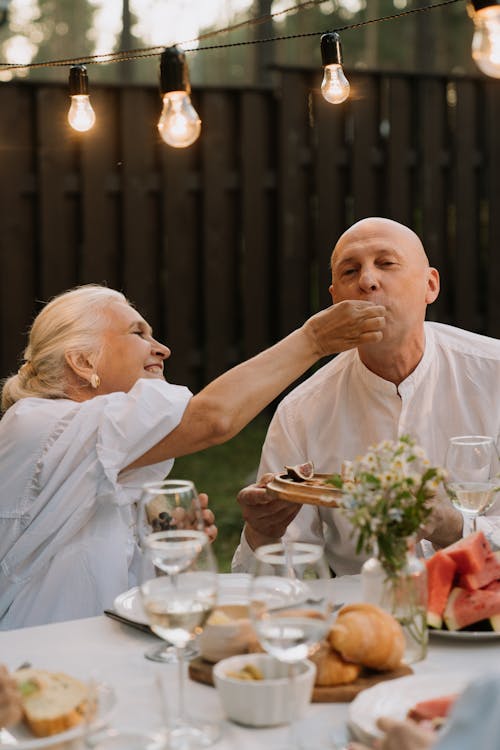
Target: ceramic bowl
x=227 y=632
x=266 y=702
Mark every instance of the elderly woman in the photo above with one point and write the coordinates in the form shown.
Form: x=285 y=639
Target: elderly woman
x=89 y=418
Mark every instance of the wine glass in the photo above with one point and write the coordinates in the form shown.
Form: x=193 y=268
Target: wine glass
x=179 y=590
x=290 y=607
x=471 y=483
x=169 y=504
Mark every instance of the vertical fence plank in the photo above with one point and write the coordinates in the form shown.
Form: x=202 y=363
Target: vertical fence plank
x=466 y=277
x=101 y=248
x=431 y=220
x=258 y=226
x=399 y=151
x=491 y=160
x=139 y=202
x=331 y=185
x=181 y=273
x=293 y=204
x=17 y=211
x=58 y=182
x=221 y=303
x=365 y=146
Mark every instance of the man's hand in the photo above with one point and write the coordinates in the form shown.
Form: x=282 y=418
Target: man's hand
x=400 y=735
x=211 y=529
x=266 y=519
x=445 y=524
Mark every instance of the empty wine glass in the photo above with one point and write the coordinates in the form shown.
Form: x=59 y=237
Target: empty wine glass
x=471 y=483
x=169 y=504
x=290 y=607
x=178 y=591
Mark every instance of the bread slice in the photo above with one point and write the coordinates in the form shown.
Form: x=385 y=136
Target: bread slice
x=52 y=702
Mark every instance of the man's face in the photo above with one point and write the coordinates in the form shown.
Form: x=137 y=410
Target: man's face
x=383 y=262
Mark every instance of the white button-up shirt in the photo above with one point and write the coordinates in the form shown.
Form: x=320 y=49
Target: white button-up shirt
x=344 y=408
x=67 y=546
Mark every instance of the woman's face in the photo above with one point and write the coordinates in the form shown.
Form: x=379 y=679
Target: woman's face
x=129 y=351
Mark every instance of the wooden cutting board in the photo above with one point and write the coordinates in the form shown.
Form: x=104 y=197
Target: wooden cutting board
x=200 y=670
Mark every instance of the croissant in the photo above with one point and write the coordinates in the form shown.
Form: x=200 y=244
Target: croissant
x=365 y=634
x=331 y=669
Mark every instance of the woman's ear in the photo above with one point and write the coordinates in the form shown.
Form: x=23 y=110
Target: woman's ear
x=80 y=364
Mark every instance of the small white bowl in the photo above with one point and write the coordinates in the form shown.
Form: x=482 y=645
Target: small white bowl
x=227 y=632
x=268 y=702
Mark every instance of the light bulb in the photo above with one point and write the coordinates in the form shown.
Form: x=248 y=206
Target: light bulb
x=179 y=124
x=486 y=40
x=334 y=86
x=81 y=116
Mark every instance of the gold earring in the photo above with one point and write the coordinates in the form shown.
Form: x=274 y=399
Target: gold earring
x=95 y=380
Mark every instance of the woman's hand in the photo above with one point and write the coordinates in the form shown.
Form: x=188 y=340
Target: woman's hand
x=345 y=325
x=400 y=735
x=10 y=699
x=266 y=519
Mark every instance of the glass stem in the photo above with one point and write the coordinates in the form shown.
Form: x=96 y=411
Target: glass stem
x=292 y=742
x=181 y=683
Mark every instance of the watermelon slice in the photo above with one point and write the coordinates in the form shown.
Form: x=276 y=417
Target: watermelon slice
x=433 y=708
x=469 y=553
x=466 y=607
x=489 y=572
x=440 y=573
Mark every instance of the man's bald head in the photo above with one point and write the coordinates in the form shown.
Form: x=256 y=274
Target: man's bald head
x=376 y=228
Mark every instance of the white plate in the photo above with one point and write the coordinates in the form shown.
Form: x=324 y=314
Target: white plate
x=233 y=589
x=21 y=738
x=465 y=635
x=394 y=698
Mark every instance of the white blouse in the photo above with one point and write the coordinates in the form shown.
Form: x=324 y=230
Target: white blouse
x=67 y=545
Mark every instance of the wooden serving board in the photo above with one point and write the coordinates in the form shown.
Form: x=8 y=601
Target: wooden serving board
x=200 y=670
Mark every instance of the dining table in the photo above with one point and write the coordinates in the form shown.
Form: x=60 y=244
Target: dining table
x=104 y=650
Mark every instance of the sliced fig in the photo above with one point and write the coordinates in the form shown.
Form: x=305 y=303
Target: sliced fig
x=300 y=472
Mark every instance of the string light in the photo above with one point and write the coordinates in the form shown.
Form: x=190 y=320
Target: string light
x=486 y=39
x=334 y=86
x=81 y=116
x=179 y=124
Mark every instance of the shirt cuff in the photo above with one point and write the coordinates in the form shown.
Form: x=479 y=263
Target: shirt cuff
x=244 y=558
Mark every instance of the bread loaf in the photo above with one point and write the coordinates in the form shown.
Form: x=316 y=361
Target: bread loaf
x=331 y=669
x=52 y=702
x=366 y=635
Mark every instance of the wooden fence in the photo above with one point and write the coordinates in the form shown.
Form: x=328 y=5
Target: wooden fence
x=224 y=246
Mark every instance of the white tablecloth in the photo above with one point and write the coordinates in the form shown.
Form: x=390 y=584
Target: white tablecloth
x=104 y=649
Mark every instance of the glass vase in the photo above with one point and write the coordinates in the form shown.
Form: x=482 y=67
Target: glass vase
x=404 y=596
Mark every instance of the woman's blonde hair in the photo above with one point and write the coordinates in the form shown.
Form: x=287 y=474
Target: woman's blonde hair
x=70 y=322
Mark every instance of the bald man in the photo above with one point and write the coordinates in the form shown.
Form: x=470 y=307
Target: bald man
x=429 y=380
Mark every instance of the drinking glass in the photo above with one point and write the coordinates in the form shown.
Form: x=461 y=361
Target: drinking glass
x=169 y=504
x=178 y=591
x=290 y=606
x=471 y=483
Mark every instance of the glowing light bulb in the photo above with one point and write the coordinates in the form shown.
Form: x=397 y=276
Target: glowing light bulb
x=486 y=39
x=334 y=86
x=81 y=116
x=179 y=124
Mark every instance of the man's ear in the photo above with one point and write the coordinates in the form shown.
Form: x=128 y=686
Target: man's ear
x=80 y=364
x=433 y=285
x=330 y=289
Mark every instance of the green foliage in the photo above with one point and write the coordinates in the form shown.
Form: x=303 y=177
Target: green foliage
x=221 y=472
